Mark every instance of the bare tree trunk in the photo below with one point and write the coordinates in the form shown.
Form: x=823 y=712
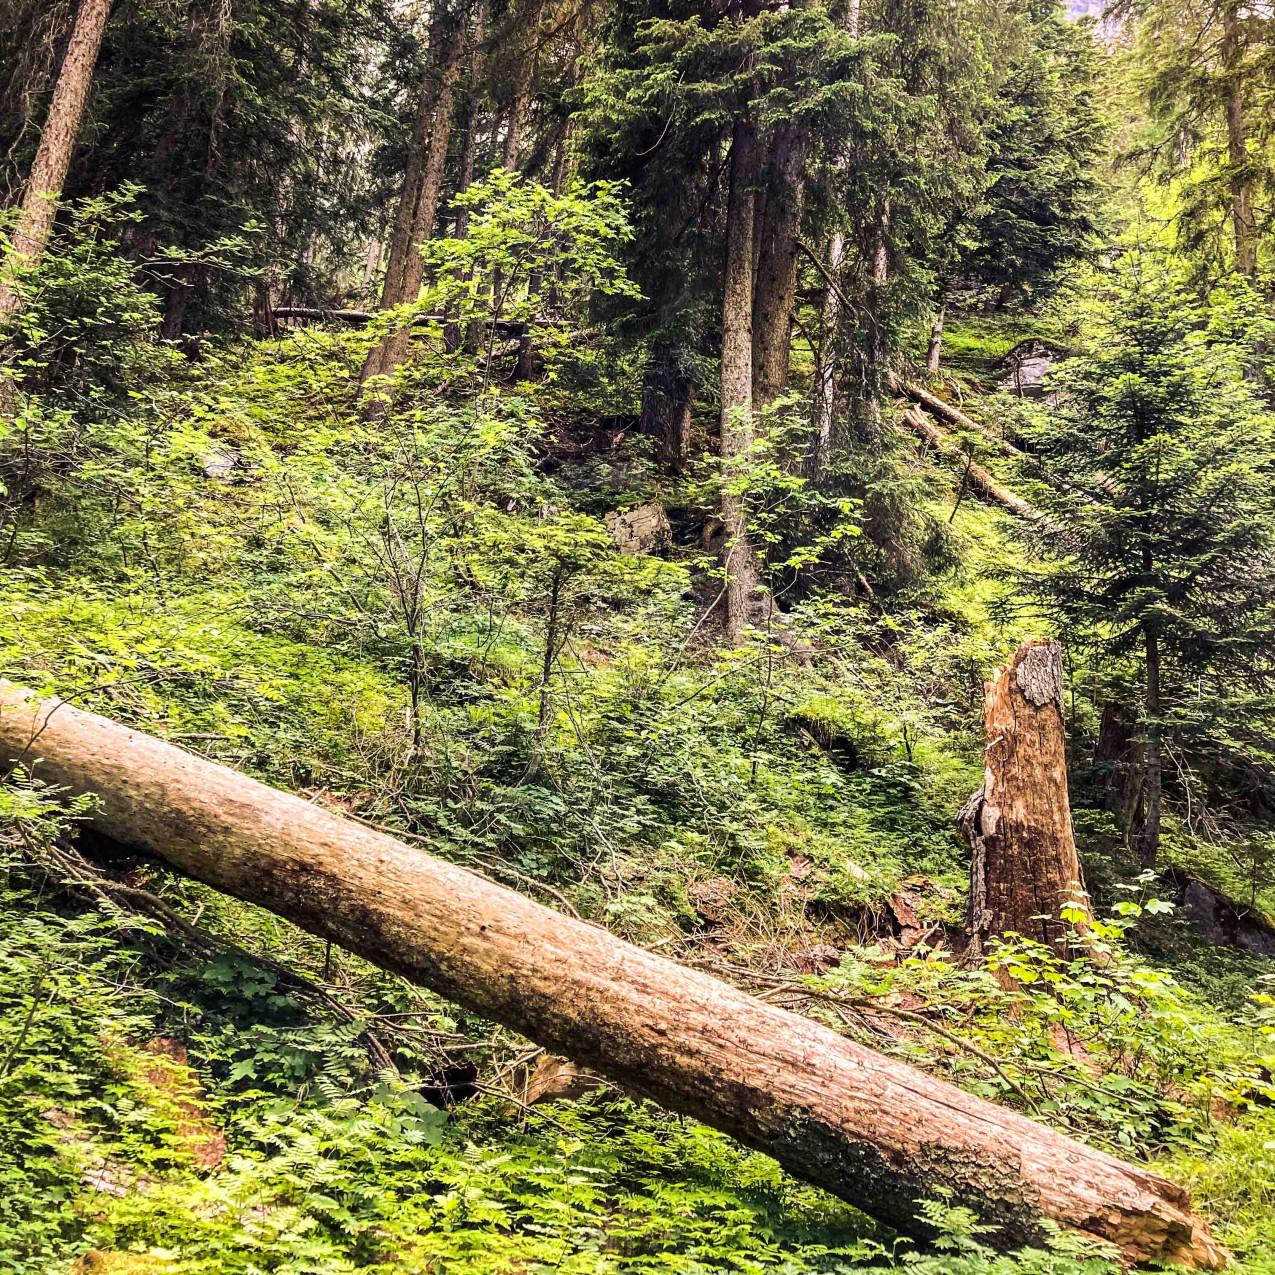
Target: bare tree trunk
x=737 y=374
x=936 y=342
x=53 y=156
x=1113 y=762
x=452 y=335
x=878 y=273
x=393 y=349
x=872 y=1129
x=826 y=372
x=666 y=403
x=405 y=216
x=1147 y=836
x=1024 y=868
x=522 y=88
x=776 y=255
x=371 y=261
x=1242 y=215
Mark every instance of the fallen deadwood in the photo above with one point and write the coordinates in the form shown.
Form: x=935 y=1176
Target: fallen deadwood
x=1024 y=868
x=944 y=411
x=954 y=416
x=511 y=327
x=871 y=1129
x=976 y=475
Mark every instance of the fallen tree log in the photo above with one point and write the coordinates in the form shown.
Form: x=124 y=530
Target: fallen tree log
x=511 y=327
x=876 y=1132
x=978 y=477
x=954 y=416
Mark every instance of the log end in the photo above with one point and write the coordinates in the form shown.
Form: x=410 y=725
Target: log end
x=1164 y=1234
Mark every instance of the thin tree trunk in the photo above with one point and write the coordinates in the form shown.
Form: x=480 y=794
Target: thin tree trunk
x=936 y=342
x=53 y=156
x=522 y=88
x=371 y=261
x=737 y=375
x=776 y=255
x=878 y=273
x=393 y=349
x=826 y=373
x=876 y=1131
x=1024 y=868
x=1242 y=215
x=1148 y=835
x=548 y=660
x=452 y=335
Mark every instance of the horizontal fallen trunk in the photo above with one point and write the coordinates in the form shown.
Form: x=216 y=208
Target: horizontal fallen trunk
x=978 y=477
x=877 y=1132
x=954 y=416
x=512 y=327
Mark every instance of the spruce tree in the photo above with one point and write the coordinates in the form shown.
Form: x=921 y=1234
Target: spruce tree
x=1164 y=554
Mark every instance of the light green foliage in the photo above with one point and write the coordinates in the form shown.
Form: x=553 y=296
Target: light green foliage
x=425 y=620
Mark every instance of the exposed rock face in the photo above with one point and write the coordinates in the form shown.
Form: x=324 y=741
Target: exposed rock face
x=644 y=529
x=1221 y=919
x=1027 y=366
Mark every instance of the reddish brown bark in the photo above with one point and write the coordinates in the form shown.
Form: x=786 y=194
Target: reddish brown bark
x=872 y=1129
x=57 y=141
x=1024 y=869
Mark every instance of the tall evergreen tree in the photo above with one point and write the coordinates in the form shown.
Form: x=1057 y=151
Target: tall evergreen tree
x=1164 y=552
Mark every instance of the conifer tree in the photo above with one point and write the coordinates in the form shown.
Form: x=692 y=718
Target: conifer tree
x=1164 y=554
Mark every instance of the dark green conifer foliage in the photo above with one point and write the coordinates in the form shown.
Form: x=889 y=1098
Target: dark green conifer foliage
x=1041 y=207
x=1166 y=561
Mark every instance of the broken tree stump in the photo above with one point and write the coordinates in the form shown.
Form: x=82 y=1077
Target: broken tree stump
x=1024 y=868
x=873 y=1130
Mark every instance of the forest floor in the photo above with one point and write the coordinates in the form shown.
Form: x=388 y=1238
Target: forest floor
x=224 y=577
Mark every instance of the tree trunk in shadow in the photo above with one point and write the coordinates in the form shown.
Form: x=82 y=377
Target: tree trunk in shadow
x=776 y=254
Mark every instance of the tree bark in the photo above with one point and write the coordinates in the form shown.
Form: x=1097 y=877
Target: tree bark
x=1242 y=215
x=874 y=1130
x=737 y=375
x=405 y=215
x=936 y=342
x=522 y=87
x=452 y=335
x=826 y=372
x=776 y=254
x=392 y=351
x=878 y=273
x=53 y=156
x=666 y=404
x=1024 y=868
x=1147 y=836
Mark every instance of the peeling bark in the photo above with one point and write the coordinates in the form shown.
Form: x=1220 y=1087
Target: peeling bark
x=874 y=1130
x=1024 y=868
